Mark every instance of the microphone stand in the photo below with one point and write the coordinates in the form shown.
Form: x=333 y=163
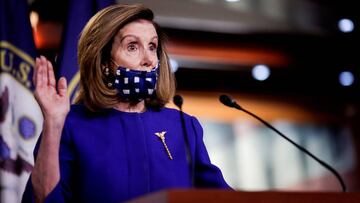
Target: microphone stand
x=178 y=101
x=233 y=104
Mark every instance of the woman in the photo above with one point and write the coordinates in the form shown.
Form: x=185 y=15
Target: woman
x=119 y=141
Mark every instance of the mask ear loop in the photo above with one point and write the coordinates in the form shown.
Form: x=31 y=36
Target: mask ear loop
x=114 y=62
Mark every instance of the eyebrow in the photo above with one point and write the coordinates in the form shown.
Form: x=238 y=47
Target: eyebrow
x=130 y=35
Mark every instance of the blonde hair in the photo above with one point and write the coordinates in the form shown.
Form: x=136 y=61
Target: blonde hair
x=94 y=52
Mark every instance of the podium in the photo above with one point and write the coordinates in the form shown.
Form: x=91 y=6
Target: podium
x=227 y=196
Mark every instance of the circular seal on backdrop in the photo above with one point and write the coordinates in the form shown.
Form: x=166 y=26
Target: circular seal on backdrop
x=27 y=127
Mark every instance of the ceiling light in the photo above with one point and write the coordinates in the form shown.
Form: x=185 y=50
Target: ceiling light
x=346 y=78
x=346 y=25
x=261 y=72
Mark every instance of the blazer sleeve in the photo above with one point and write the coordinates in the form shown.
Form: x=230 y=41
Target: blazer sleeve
x=62 y=191
x=207 y=175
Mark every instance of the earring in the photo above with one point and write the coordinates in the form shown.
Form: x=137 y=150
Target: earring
x=107 y=71
x=108 y=77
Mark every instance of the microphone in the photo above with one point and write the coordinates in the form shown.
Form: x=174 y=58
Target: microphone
x=178 y=101
x=228 y=101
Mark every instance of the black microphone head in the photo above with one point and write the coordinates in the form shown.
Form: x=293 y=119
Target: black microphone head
x=178 y=101
x=227 y=100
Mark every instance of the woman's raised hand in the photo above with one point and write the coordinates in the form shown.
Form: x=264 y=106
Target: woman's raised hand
x=55 y=105
x=54 y=102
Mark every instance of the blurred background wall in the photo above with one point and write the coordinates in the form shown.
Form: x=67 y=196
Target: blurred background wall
x=292 y=62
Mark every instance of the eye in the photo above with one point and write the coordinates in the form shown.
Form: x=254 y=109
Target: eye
x=153 y=47
x=132 y=47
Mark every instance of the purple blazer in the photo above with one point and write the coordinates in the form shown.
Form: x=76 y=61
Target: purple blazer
x=115 y=156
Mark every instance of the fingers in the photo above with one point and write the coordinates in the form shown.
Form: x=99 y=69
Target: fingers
x=39 y=72
x=62 y=86
x=44 y=76
x=44 y=73
x=50 y=73
x=44 y=69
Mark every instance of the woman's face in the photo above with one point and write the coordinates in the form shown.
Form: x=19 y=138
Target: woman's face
x=135 y=46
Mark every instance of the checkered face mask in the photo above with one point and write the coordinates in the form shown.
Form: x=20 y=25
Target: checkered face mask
x=134 y=85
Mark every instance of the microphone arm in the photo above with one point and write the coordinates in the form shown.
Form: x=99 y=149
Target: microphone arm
x=228 y=101
x=178 y=101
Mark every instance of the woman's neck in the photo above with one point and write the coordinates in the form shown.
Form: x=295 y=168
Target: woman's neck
x=127 y=107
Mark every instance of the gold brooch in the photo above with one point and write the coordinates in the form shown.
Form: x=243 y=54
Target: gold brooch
x=161 y=135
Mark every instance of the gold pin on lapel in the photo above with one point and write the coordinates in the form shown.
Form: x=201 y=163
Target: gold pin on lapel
x=161 y=135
